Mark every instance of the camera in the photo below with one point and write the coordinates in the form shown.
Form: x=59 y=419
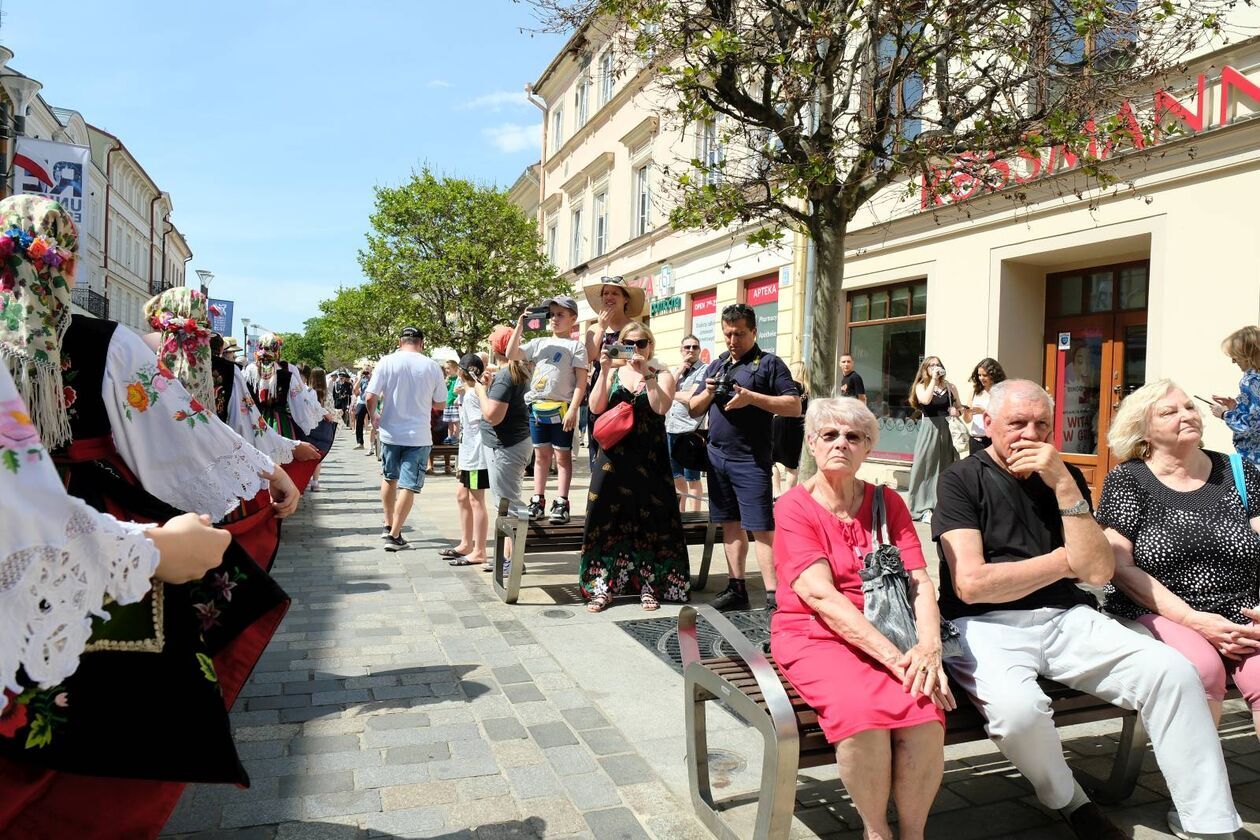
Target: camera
x=723 y=388
x=621 y=351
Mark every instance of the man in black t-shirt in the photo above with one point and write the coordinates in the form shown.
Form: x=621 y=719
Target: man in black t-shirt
x=1014 y=535
x=851 y=384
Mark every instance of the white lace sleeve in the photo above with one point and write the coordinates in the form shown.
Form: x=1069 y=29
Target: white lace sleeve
x=248 y=422
x=181 y=452
x=303 y=406
x=59 y=558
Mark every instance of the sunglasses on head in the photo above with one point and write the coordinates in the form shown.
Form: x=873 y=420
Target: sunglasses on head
x=831 y=436
x=641 y=343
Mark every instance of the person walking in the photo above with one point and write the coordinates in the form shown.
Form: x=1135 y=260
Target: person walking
x=936 y=398
x=679 y=423
x=342 y=395
x=360 y=404
x=409 y=386
x=554 y=398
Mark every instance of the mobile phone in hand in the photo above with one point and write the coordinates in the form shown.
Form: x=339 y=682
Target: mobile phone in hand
x=1201 y=399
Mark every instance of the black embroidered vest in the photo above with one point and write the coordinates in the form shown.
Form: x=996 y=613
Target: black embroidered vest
x=224 y=375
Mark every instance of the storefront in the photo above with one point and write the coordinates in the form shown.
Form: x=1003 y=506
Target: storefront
x=1088 y=292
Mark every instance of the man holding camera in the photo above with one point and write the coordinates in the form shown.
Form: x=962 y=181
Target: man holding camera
x=743 y=389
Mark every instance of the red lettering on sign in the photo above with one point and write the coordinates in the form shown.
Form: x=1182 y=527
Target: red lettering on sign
x=1165 y=105
x=704 y=303
x=1230 y=79
x=765 y=290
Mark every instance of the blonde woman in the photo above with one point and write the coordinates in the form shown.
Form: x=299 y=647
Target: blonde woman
x=1185 y=542
x=1242 y=414
x=936 y=399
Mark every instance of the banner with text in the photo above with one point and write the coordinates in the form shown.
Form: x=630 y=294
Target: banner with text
x=704 y=322
x=220 y=315
x=56 y=170
x=763 y=297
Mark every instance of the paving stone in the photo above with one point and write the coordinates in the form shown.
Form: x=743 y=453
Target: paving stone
x=605 y=741
x=523 y=693
x=533 y=780
x=400 y=797
x=557 y=812
x=317 y=831
x=616 y=824
x=323 y=744
x=345 y=802
x=303 y=785
x=473 y=815
x=261 y=813
x=390 y=775
x=504 y=729
x=417 y=754
x=512 y=674
x=428 y=821
x=591 y=790
x=627 y=769
x=585 y=717
x=552 y=735
x=570 y=760
x=460 y=768
x=481 y=787
x=407 y=720
x=649 y=798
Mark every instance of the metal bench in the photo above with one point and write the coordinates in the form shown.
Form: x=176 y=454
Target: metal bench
x=542 y=537
x=752 y=686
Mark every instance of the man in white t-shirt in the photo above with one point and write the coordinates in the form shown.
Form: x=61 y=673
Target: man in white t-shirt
x=409 y=386
x=554 y=398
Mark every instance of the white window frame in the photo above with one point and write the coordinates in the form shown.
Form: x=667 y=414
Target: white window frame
x=606 y=77
x=557 y=127
x=641 y=208
x=599 y=223
x=553 y=240
x=711 y=152
x=582 y=100
x=575 y=237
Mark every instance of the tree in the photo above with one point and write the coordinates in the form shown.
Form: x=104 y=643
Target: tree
x=452 y=258
x=807 y=109
x=363 y=322
x=306 y=347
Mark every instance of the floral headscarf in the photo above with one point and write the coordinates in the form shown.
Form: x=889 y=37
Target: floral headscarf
x=180 y=315
x=263 y=375
x=38 y=244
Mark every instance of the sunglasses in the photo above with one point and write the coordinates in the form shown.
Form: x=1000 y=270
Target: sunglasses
x=691 y=347
x=831 y=436
x=641 y=343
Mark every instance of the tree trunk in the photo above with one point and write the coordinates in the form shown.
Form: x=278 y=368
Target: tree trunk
x=824 y=335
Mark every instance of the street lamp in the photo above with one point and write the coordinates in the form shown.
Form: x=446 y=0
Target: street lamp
x=245 y=338
x=21 y=91
x=205 y=277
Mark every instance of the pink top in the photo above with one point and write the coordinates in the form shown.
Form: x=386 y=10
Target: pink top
x=805 y=531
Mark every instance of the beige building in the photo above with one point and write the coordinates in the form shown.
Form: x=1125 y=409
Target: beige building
x=603 y=208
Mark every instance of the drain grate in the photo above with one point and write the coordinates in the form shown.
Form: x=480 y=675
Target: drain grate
x=557 y=613
x=660 y=635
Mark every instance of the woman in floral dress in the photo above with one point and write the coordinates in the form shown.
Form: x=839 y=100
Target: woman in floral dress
x=634 y=542
x=148 y=700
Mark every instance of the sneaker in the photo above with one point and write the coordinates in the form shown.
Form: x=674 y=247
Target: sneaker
x=394 y=543
x=731 y=599
x=559 y=512
x=358 y=446
x=450 y=441
x=537 y=507
x=1088 y=822
x=385 y=532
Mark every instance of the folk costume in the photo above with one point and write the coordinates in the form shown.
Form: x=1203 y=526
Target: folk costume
x=278 y=391
x=146 y=709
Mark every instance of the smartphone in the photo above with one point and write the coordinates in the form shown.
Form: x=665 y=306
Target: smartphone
x=621 y=351
x=1200 y=399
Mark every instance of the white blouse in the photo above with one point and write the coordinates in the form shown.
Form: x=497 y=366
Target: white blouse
x=180 y=451
x=59 y=558
x=303 y=404
x=248 y=422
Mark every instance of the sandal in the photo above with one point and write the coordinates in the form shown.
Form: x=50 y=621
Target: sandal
x=450 y=553
x=598 y=603
x=464 y=561
x=649 y=603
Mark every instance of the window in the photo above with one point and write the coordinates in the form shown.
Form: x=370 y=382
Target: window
x=606 y=77
x=601 y=224
x=642 y=210
x=1061 y=50
x=905 y=98
x=885 y=335
x=575 y=245
x=711 y=153
x=1109 y=288
x=557 y=128
x=581 y=101
x=553 y=241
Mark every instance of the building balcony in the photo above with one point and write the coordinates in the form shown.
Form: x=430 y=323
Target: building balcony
x=92 y=302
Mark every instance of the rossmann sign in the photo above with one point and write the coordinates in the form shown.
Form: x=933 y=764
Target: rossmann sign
x=975 y=173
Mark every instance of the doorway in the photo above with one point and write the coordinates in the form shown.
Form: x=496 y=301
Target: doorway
x=1095 y=352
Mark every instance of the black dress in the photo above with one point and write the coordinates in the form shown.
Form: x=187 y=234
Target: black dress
x=634 y=539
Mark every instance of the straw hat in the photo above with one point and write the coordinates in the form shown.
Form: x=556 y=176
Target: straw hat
x=638 y=300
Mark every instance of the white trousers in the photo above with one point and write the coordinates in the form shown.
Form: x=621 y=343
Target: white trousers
x=1007 y=650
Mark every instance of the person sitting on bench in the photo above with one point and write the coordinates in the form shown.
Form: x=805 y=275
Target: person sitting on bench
x=1014 y=536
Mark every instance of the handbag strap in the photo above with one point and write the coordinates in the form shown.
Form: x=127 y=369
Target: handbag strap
x=879 y=519
x=1235 y=465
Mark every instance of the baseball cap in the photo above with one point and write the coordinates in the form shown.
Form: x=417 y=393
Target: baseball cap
x=411 y=332
x=563 y=301
x=471 y=364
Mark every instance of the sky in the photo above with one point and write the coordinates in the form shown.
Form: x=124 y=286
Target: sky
x=271 y=122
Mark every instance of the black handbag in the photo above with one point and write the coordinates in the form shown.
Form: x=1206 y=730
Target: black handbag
x=691 y=450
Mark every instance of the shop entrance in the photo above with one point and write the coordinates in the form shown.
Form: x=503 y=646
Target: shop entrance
x=1095 y=356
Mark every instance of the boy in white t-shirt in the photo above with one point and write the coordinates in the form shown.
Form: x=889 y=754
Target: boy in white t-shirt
x=554 y=399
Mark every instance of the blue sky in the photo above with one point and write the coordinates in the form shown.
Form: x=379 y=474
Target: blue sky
x=270 y=122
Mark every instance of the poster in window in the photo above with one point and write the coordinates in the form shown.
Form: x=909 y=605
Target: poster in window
x=763 y=297
x=1077 y=396
x=704 y=322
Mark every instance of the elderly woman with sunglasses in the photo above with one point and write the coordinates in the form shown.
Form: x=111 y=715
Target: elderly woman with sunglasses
x=882 y=709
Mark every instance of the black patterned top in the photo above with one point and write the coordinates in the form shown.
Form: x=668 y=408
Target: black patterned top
x=1199 y=544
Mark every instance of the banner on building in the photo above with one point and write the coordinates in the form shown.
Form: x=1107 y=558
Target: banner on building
x=763 y=297
x=220 y=315
x=704 y=322
x=56 y=170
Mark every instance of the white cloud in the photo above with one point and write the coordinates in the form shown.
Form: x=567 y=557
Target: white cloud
x=438 y=83
x=513 y=137
x=494 y=102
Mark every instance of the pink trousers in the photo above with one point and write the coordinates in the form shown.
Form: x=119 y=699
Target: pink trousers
x=1212 y=667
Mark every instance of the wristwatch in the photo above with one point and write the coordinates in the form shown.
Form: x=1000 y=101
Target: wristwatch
x=1081 y=508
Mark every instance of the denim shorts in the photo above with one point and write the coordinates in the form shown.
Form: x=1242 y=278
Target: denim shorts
x=677 y=468
x=405 y=464
x=549 y=434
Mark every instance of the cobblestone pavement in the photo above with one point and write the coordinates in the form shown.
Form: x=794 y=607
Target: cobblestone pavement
x=402 y=699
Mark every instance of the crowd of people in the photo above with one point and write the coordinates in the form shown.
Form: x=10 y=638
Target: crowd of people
x=143 y=482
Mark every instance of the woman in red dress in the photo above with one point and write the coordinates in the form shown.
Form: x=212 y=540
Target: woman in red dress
x=882 y=709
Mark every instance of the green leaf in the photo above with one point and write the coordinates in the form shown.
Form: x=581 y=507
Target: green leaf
x=207 y=668
x=10 y=460
x=40 y=734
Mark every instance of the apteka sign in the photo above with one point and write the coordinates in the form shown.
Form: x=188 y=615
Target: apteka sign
x=975 y=173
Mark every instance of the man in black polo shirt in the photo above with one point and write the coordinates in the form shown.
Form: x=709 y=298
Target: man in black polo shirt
x=851 y=384
x=1014 y=536
x=743 y=389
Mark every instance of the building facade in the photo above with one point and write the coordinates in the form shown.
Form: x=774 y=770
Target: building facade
x=604 y=208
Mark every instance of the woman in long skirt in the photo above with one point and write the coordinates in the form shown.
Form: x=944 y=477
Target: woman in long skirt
x=936 y=398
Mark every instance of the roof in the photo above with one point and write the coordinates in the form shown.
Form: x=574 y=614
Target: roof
x=573 y=45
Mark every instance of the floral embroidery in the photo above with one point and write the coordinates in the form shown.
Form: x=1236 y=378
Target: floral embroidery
x=208 y=614
x=40 y=712
x=69 y=395
x=137 y=398
x=214 y=591
x=151 y=382
x=18 y=436
x=207 y=668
